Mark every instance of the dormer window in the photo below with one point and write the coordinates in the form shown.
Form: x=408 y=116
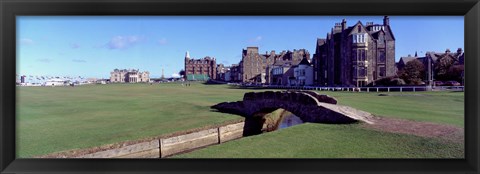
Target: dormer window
x=378 y=28
x=359 y=28
x=359 y=38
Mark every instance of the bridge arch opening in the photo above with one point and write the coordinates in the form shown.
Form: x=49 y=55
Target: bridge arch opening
x=270 y=119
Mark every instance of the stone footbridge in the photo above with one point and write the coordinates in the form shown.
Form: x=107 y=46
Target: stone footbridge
x=307 y=105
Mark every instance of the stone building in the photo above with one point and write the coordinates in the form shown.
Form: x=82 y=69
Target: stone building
x=235 y=75
x=303 y=73
x=129 y=76
x=355 y=55
x=200 y=69
x=431 y=58
x=281 y=73
x=253 y=66
x=221 y=69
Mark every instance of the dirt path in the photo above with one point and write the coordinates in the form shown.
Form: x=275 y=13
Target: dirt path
x=423 y=129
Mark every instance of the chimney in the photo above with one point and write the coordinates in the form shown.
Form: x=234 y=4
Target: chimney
x=459 y=51
x=447 y=51
x=386 y=21
x=344 y=24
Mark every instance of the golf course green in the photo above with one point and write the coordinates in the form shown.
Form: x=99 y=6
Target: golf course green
x=54 y=119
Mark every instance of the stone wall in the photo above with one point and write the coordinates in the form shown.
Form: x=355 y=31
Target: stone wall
x=309 y=106
x=160 y=147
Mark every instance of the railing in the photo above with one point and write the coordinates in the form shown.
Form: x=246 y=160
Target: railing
x=367 y=89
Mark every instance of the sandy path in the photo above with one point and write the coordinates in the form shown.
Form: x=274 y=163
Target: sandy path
x=423 y=129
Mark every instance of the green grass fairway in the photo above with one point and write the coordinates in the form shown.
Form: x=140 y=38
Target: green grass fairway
x=53 y=119
x=438 y=107
x=312 y=140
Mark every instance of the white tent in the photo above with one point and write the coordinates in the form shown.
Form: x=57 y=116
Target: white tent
x=55 y=82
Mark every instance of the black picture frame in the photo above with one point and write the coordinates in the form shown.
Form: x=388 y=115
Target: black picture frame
x=470 y=9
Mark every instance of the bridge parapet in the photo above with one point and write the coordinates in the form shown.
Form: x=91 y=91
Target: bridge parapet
x=308 y=105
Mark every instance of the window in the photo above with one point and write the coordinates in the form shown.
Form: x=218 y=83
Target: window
x=382 y=72
x=381 y=56
x=359 y=38
x=359 y=28
x=363 y=55
x=362 y=71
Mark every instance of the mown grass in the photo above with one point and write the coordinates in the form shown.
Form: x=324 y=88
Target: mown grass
x=63 y=118
x=313 y=140
x=438 y=107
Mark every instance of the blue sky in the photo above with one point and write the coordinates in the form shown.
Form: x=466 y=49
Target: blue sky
x=93 y=46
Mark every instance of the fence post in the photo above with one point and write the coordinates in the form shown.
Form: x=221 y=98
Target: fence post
x=368 y=89
x=388 y=89
x=401 y=89
x=413 y=89
x=377 y=89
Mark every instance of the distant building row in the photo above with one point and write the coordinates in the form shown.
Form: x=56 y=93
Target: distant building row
x=354 y=55
x=129 y=76
x=457 y=59
x=253 y=68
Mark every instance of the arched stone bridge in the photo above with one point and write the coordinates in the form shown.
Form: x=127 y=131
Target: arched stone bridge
x=307 y=105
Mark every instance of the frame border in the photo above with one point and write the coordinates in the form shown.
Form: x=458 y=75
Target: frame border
x=9 y=9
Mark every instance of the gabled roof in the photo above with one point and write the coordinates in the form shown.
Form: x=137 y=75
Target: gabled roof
x=404 y=60
x=352 y=28
x=376 y=33
x=304 y=62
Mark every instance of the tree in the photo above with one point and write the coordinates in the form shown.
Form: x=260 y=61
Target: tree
x=442 y=67
x=182 y=73
x=413 y=72
x=388 y=81
x=455 y=73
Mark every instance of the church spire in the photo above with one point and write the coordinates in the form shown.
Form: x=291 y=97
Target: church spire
x=162 y=73
x=187 y=55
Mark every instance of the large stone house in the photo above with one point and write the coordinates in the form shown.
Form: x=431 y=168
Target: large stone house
x=355 y=55
x=303 y=73
x=281 y=73
x=129 y=76
x=200 y=69
x=253 y=66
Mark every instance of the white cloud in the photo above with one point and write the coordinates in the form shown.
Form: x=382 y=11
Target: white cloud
x=176 y=75
x=26 y=41
x=162 y=41
x=123 y=42
x=256 y=39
